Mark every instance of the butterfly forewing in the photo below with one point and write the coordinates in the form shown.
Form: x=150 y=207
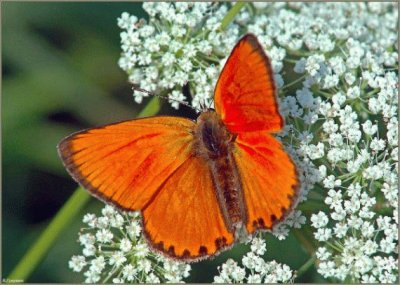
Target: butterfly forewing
x=245 y=92
x=114 y=161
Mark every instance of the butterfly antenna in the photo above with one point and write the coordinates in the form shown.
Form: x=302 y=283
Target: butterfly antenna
x=211 y=102
x=136 y=88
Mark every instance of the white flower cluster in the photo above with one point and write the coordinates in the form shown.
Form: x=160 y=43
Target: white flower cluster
x=336 y=66
x=182 y=43
x=342 y=127
x=114 y=251
x=255 y=269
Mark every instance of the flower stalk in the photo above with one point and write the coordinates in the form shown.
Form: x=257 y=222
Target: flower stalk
x=231 y=14
x=42 y=245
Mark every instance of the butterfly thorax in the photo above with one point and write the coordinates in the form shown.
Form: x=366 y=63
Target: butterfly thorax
x=213 y=139
x=215 y=144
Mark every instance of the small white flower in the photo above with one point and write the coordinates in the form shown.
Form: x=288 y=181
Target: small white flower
x=353 y=92
x=370 y=247
x=89 y=250
x=350 y=78
x=313 y=64
x=341 y=228
x=337 y=65
x=377 y=144
x=77 y=263
x=322 y=171
x=300 y=66
x=97 y=265
x=338 y=99
x=91 y=277
x=141 y=250
x=387 y=245
x=175 y=98
x=152 y=278
x=280 y=232
x=323 y=254
x=127 y=21
x=254 y=278
x=168 y=59
x=369 y=128
x=316 y=151
x=258 y=246
x=319 y=220
x=330 y=127
x=296 y=219
x=117 y=281
x=327 y=269
x=133 y=229
x=250 y=260
x=334 y=199
x=305 y=98
x=144 y=265
x=90 y=219
x=129 y=272
x=104 y=236
x=86 y=239
x=330 y=182
x=125 y=245
x=117 y=258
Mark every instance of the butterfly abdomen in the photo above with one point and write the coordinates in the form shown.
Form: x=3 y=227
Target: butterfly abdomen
x=214 y=143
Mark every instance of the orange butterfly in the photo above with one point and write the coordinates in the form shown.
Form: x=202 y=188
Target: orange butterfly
x=199 y=185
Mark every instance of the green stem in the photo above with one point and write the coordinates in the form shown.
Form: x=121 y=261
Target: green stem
x=305 y=240
x=151 y=108
x=62 y=219
x=306 y=266
x=42 y=245
x=231 y=14
x=335 y=247
x=293 y=82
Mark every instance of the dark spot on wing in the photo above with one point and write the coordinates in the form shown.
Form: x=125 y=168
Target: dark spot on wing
x=160 y=245
x=186 y=253
x=171 y=250
x=203 y=250
x=220 y=242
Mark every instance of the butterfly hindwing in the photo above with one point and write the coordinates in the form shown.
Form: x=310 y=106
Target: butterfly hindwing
x=245 y=94
x=269 y=179
x=184 y=220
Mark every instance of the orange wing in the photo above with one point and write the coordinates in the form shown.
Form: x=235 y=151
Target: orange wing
x=269 y=179
x=126 y=163
x=245 y=94
x=184 y=219
x=148 y=165
x=245 y=98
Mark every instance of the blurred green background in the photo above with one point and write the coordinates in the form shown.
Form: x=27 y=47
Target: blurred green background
x=60 y=75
